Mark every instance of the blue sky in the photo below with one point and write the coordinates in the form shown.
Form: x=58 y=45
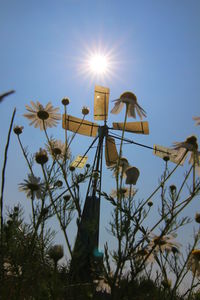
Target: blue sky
x=155 y=49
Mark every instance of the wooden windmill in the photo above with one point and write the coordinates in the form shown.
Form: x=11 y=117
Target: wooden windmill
x=85 y=253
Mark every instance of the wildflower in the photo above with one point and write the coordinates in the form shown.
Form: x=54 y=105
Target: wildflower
x=102 y=286
x=32 y=186
x=87 y=166
x=16 y=209
x=194 y=262
x=124 y=191
x=122 y=165
x=169 y=154
x=132 y=175
x=65 y=101
x=18 y=130
x=131 y=100
x=95 y=175
x=58 y=183
x=166 y=158
x=197 y=218
x=167 y=283
x=58 y=149
x=165 y=242
x=197 y=119
x=44 y=212
x=143 y=253
x=172 y=188
x=40 y=115
x=190 y=144
x=150 y=203
x=56 y=253
x=67 y=197
x=85 y=110
x=41 y=157
x=195 y=160
x=72 y=168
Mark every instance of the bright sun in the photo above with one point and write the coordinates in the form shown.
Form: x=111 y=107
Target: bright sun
x=98 y=64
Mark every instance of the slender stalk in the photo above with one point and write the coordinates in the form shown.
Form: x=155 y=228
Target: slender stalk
x=2 y=192
x=118 y=208
x=191 y=288
x=56 y=211
x=4 y=170
x=33 y=209
x=25 y=155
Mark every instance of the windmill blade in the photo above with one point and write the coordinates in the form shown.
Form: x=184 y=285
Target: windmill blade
x=111 y=153
x=101 y=100
x=175 y=156
x=79 y=162
x=135 y=127
x=79 y=125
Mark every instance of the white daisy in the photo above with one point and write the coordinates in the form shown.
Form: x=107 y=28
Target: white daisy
x=194 y=262
x=39 y=114
x=197 y=119
x=163 y=243
x=122 y=166
x=124 y=191
x=102 y=286
x=131 y=100
x=189 y=144
x=32 y=187
x=58 y=149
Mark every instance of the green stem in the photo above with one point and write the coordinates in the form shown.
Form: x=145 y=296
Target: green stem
x=190 y=293
x=33 y=210
x=25 y=155
x=56 y=211
x=2 y=195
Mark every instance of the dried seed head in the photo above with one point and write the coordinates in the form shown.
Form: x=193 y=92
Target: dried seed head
x=65 y=101
x=150 y=203
x=172 y=188
x=85 y=110
x=56 y=253
x=166 y=158
x=67 y=197
x=72 y=168
x=41 y=157
x=197 y=218
x=58 y=183
x=18 y=130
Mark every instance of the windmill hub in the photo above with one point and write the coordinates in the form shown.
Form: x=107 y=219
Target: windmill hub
x=102 y=131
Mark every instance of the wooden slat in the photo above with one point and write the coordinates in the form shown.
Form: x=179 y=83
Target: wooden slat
x=111 y=153
x=135 y=127
x=79 y=126
x=101 y=100
x=79 y=162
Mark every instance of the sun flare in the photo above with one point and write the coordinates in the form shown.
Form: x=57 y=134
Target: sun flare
x=98 y=64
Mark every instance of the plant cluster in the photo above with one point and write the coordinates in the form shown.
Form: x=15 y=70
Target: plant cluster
x=148 y=261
